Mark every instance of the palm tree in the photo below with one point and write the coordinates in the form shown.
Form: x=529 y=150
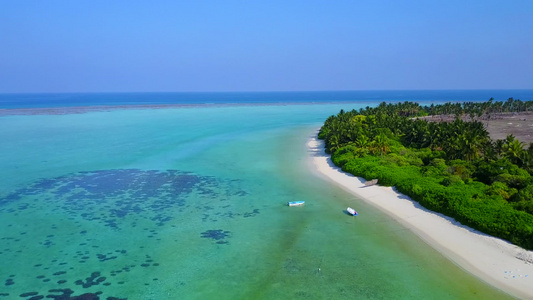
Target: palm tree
x=380 y=144
x=527 y=159
x=362 y=141
x=472 y=146
x=513 y=149
x=334 y=143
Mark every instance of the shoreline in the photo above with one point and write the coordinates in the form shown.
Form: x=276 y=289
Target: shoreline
x=493 y=260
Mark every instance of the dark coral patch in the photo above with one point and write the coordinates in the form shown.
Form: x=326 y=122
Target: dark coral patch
x=94 y=279
x=251 y=214
x=103 y=257
x=66 y=294
x=108 y=196
x=29 y=294
x=218 y=235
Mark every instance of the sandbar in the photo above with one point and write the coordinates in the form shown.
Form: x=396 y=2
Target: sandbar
x=495 y=261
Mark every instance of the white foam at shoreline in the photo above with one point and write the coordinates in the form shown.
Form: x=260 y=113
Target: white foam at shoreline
x=499 y=263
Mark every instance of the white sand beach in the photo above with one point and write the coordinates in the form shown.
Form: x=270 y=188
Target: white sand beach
x=497 y=262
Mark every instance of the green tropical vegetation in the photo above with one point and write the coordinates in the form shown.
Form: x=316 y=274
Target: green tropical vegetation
x=452 y=167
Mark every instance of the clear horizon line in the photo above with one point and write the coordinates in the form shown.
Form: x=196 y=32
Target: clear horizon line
x=266 y=91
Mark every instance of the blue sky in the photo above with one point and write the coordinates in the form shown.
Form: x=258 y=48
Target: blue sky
x=150 y=46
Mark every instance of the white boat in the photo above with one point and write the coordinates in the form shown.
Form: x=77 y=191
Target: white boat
x=296 y=203
x=351 y=211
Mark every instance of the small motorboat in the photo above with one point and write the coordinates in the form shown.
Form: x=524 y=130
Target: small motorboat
x=371 y=182
x=351 y=211
x=296 y=203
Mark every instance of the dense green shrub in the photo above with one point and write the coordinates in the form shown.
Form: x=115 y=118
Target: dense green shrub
x=343 y=155
x=523 y=200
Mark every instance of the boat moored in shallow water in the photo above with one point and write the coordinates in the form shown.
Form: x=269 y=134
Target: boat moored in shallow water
x=351 y=211
x=296 y=203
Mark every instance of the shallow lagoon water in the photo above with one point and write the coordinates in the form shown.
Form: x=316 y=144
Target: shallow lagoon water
x=190 y=203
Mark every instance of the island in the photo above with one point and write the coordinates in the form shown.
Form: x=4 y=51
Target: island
x=448 y=171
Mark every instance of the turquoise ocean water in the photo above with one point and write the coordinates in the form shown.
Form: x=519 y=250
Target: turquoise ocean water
x=190 y=203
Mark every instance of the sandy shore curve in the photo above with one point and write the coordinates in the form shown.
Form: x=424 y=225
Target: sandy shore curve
x=493 y=260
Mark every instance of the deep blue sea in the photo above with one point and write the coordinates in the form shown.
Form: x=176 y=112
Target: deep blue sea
x=95 y=99
x=190 y=202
